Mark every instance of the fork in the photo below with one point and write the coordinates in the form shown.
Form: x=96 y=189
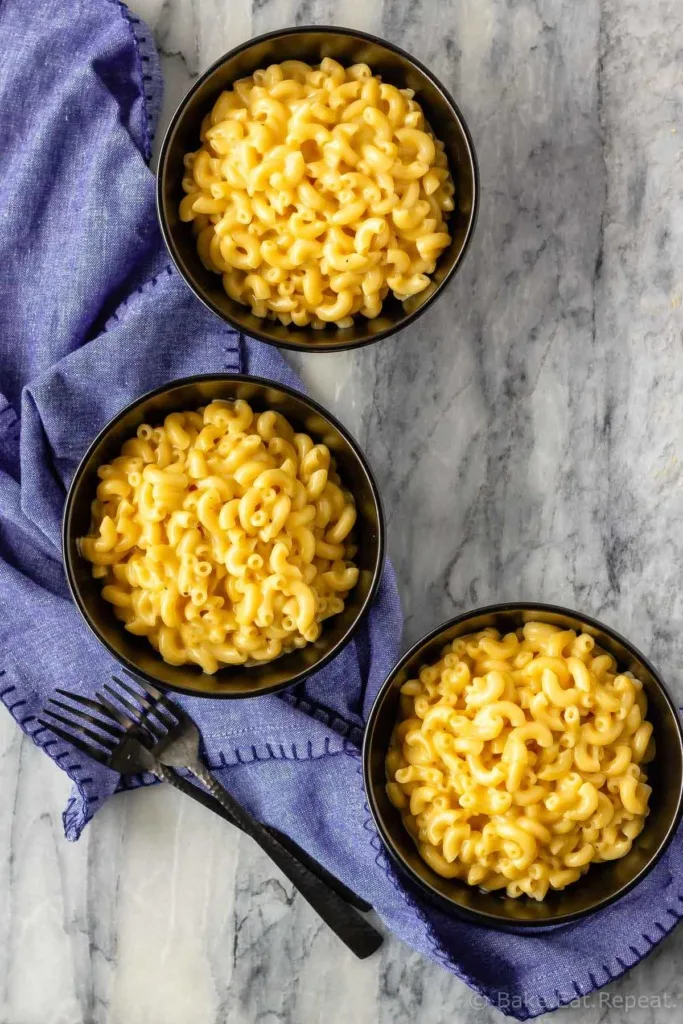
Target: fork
x=176 y=742
x=117 y=744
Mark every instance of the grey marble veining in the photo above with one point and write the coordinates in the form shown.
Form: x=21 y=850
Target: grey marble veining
x=526 y=433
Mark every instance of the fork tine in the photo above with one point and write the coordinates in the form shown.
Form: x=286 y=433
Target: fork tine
x=139 y=724
x=160 y=708
x=146 y=721
x=75 y=741
x=162 y=701
x=155 y=731
x=114 y=712
x=87 y=702
x=77 y=713
x=133 y=693
x=166 y=713
x=81 y=730
x=147 y=687
x=134 y=712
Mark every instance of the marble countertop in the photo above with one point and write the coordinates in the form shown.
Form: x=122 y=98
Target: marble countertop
x=526 y=434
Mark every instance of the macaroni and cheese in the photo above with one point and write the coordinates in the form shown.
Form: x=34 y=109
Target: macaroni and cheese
x=316 y=191
x=517 y=760
x=223 y=536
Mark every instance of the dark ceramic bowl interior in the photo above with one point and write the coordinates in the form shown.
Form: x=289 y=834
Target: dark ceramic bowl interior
x=312 y=45
x=603 y=883
x=236 y=681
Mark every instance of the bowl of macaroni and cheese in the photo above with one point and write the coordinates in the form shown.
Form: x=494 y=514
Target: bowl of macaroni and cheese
x=317 y=188
x=223 y=536
x=524 y=765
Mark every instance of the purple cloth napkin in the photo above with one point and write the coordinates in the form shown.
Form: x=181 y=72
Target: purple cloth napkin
x=92 y=315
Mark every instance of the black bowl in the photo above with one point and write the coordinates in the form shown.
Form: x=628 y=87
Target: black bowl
x=136 y=652
x=312 y=45
x=603 y=883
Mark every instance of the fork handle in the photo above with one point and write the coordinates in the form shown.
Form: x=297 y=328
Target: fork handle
x=353 y=930
x=210 y=802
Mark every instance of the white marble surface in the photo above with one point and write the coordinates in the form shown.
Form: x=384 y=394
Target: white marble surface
x=526 y=434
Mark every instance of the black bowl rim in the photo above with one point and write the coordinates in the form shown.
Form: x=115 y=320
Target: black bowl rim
x=478 y=916
x=265 y=382
x=476 y=188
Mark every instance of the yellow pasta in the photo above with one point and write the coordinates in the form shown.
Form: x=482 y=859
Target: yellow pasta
x=517 y=761
x=223 y=536
x=316 y=191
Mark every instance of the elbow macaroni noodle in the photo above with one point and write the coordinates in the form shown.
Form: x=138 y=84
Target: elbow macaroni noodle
x=316 y=191
x=223 y=536
x=517 y=760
